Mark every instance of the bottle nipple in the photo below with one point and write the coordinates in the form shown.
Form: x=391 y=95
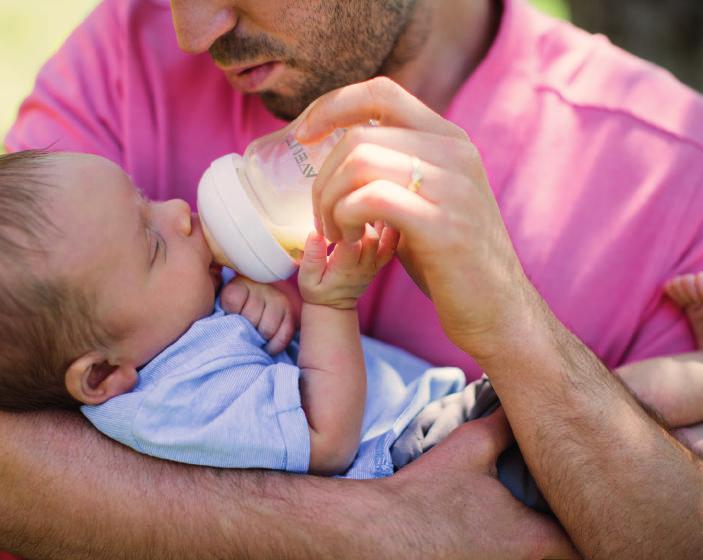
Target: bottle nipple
x=217 y=251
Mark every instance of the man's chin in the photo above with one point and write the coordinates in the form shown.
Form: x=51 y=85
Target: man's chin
x=295 y=91
x=283 y=107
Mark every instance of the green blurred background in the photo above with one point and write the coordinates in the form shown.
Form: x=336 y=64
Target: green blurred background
x=667 y=32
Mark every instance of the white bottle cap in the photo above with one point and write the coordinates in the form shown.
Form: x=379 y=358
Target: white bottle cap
x=236 y=226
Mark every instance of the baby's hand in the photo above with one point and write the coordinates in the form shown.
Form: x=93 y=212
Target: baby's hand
x=266 y=307
x=338 y=280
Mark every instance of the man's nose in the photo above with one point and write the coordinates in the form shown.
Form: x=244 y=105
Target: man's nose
x=199 y=23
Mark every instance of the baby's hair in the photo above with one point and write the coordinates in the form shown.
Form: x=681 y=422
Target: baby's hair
x=45 y=323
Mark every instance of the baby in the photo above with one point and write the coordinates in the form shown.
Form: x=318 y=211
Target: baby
x=107 y=301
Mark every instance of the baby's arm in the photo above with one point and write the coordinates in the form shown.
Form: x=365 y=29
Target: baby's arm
x=672 y=386
x=333 y=376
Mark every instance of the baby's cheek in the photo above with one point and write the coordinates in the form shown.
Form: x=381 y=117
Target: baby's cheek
x=209 y=286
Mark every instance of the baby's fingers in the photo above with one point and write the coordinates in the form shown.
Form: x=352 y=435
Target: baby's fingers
x=387 y=246
x=282 y=336
x=369 y=248
x=345 y=255
x=234 y=295
x=312 y=267
x=686 y=289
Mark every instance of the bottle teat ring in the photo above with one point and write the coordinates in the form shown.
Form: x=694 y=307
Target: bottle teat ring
x=416 y=176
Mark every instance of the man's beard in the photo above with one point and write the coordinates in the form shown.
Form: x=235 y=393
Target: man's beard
x=342 y=42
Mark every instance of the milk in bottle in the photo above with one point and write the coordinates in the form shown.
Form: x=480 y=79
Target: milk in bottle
x=256 y=209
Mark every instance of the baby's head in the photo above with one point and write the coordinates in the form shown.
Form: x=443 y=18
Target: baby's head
x=95 y=279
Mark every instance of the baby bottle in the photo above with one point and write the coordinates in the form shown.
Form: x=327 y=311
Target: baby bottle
x=256 y=209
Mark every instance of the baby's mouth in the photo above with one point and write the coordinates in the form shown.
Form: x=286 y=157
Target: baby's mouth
x=216 y=275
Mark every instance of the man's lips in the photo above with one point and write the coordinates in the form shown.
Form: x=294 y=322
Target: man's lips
x=236 y=70
x=254 y=77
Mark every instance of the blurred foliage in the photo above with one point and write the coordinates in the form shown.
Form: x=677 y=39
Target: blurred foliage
x=30 y=32
x=669 y=32
x=557 y=8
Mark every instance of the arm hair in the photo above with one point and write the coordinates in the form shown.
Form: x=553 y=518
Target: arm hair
x=619 y=483
x=69 y=492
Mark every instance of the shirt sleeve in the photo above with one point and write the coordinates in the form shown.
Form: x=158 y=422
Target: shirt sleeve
x=221 y=405
x=75 y=101
x=212 y=419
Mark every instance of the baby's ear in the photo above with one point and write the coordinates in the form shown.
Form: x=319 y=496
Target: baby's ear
x=91 y=379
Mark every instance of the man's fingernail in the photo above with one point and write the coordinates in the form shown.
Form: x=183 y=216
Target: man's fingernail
x=302 y=131
x=318 y=225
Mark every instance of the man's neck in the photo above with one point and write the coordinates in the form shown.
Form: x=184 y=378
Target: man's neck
x=442 y=45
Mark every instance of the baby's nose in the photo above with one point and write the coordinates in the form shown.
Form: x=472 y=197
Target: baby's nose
x=183 y=216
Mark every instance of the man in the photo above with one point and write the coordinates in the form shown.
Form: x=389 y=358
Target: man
x=575 y=136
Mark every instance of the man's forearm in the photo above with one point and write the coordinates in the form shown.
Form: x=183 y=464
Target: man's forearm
x=619 y=483
x=68 y=492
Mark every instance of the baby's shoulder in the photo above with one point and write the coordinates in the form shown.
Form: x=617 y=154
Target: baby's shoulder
x=219 y=341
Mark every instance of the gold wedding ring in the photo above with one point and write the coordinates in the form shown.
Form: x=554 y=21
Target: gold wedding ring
x=415 y=176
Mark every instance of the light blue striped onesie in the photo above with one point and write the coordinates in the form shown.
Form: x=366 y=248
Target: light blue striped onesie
x=216 y=397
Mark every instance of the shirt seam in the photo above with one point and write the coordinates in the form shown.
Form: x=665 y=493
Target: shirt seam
x=542 y=88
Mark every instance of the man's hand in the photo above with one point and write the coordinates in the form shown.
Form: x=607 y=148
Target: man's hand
x=469 y=512
x=422 y=175
x=267 y=308
x=338 y=280
x=441 y=417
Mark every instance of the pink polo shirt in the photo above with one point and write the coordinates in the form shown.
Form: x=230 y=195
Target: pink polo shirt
x=595 y=157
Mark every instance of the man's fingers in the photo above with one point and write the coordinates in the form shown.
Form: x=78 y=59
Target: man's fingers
x=481 y=440
x=498 y=433
x=345 y=171
x=381 y=100
x=553 y=543
x=381 y=200
x=363 y=156
x=473 y=446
